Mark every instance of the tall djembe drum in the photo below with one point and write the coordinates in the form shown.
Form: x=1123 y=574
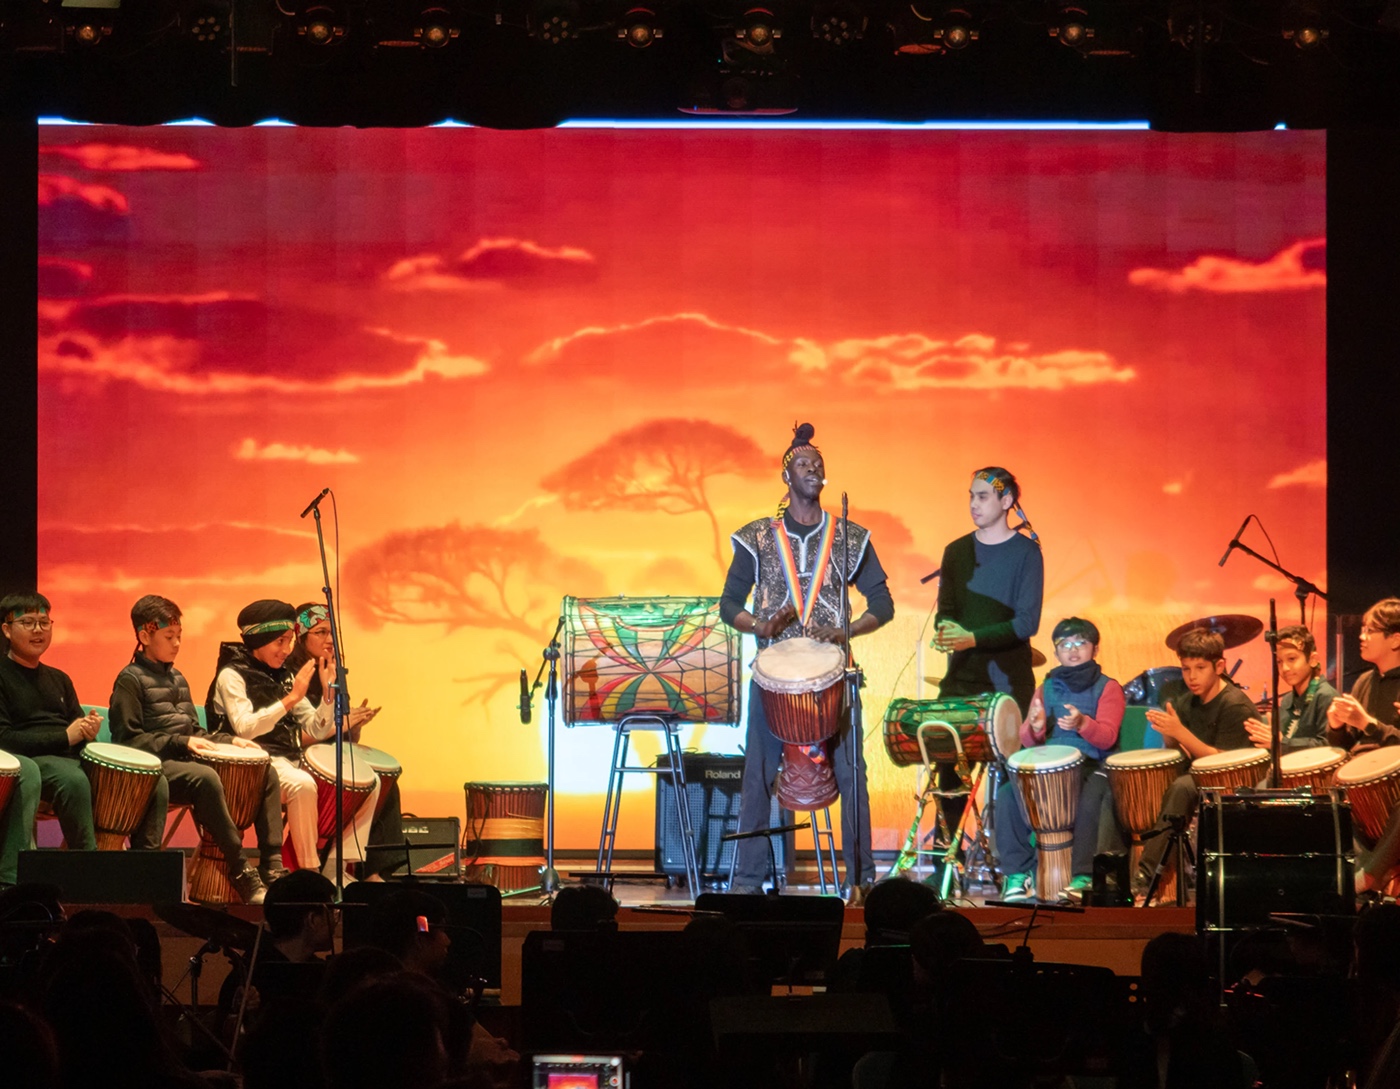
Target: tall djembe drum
x=123 y=781
x=1139 y=780
x=1047 y=789
x=243 y=773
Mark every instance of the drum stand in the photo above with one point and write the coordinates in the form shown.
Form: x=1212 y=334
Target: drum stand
x=1178 y=847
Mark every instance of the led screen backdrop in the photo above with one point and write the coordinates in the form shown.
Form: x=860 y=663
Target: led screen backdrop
x=564 y=363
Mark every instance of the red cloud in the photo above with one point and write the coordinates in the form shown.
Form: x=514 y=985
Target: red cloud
x=1298 y=268
x=59 y=277
x=226 y=343
x=54 y=188
x=252 y=450
x=1311 y=475
x=492 y=261
x=120 y=157
x=896 y=363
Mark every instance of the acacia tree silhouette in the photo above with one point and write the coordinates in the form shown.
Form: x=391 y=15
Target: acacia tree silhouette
x=464 y=577
x=659 y=465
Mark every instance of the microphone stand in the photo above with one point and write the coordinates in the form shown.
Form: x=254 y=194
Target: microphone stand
x=549 y=876
x=1301 y=586
x=341 y=696
x=1275 y=727
x=850 y=700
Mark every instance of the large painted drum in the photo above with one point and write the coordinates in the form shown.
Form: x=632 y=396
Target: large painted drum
x=1315 y=768
x=357 y=780
x=243 y=773
x=1230 y=770
x=503 y=844
x=383 y=765
x=123 y=780
x=1047 y=789
x=799 y=681
x=988 y=728
x=1139 y=780
x=1372 y=785
x=9 y=779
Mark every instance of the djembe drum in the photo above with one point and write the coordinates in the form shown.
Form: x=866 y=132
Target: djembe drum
x=382 y=764
x=799 y=681
x=123 y=780
x=357 y=780
x=1230 y=770
x=1047 y=789
x=243 y=773
x=1372 y=785
x=1315 y=768
x=504 y=840
x=1139 y=781
x=9 y=779
x=988 y=728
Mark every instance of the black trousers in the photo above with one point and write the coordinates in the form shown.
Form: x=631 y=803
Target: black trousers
x=199 y=786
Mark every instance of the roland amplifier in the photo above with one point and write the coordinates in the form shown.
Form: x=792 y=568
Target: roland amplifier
x=713 y=784
x=432 y=849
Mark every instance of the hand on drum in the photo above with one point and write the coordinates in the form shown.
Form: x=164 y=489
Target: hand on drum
x=826 y=633
x=1259 y=732
x=1346 y=710
x=776 y=624
x=953 y=636
x=200 y=746
x=244 y=743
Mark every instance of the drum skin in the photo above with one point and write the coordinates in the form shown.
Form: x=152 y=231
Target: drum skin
x=799 y=681
x=1314 y=768
x=1372 y=785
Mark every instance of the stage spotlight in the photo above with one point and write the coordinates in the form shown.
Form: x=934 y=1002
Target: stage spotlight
x=322 y=25
x=954 y=28
x=206 y=22
x=1305 y=25
x=758 y=29
x=436 y=27
x=555 y=21
x=639 y=28
x=838 y=23
x=1070 y=26
x=89 y=22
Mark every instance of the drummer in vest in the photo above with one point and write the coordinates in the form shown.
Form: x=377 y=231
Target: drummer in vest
x=1076 y=705
x=792 y=565
x=1369 y=718
x=1207 y=718
x=1303 y=708
x=315 y=643
x=42 y=721
x=254 y=695
x=151 y=709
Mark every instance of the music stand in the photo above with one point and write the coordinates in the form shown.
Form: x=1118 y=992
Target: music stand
x=794 y=940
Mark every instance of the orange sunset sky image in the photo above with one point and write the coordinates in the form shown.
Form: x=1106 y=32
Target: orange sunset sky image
x=565 y=363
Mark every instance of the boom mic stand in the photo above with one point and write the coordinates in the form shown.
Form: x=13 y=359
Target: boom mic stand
x=850 y=699
x=1275 y=726
x=341 y=696
x=549 y=876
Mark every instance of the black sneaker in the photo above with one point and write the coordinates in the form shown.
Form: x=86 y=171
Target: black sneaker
x=248 y=885
x=269 y=874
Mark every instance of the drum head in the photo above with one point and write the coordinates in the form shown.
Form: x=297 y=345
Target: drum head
x=798 y=665
x=1302 y=761
x=120 y=756
x=235 y=754
x=9 y=765
x=1231 y=758
x=378 y=759
x=1044 y=758
x=1005 y=729
x=1376 y=764
x=320 y=760
x=1144 y=758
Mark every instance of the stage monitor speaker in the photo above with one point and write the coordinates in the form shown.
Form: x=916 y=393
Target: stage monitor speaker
x=713 y=786
x=473 y=924
x=432 y=849
x=107 y=877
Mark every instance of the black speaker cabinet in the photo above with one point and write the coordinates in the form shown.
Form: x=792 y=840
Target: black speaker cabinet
x=432 y=851
x=473 y=923
x=713 y=783
x=107 y=877
x=1267 y=853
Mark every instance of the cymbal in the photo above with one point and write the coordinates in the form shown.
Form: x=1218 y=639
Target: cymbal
x=220 y=927
x=1038 y=658
x=1235 y=629
x=933 y=680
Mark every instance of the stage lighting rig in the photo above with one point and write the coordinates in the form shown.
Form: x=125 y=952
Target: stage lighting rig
x=89 y=22
x=555 y=21
x=839 y=23
x=639 y=28
x=1069 y=25
x=205 y=23
x=758 y=29
x=1305 y=24
x=321 y=24
x=954 y=27
x=419 y=25
x=1193 y=24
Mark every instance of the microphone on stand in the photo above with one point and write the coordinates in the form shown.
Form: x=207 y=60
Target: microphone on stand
x=1235 y=540
x=524 y=699
x=931 y=575
x=315 y=502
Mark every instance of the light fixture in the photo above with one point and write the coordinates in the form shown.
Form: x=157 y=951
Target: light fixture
x=321 y=24
x=954 y=28
x=839 y=23
x=89 y=22
x=758 y=29
x=555 y=21
x=207 y=22
x=436 y=27
x=1192 y=24
x=639 y=28
x=1305 y=24
x=1069 y=24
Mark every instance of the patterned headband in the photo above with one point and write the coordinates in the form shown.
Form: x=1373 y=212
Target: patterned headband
x=266 y=626
x=308 y=618
x=997 y=483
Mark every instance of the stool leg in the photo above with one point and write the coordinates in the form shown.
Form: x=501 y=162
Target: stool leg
x=817 y=845
x=674 y=754
x=613 y=804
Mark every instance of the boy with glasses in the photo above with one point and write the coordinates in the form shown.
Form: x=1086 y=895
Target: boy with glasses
x=1077 y=705
x=41 y=719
